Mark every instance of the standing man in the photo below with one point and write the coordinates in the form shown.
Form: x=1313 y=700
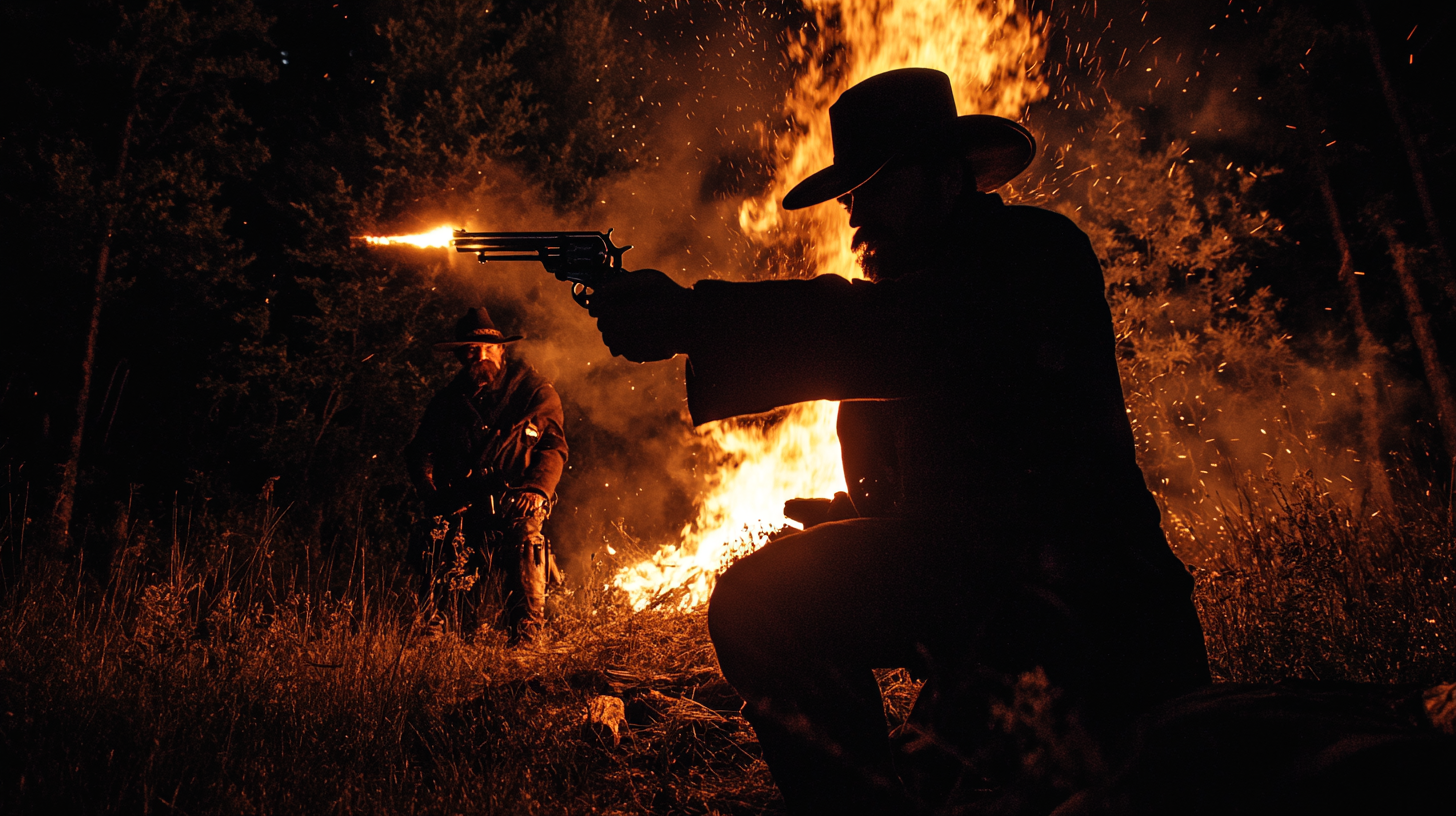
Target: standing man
x=486 y=460
x=1003 y=522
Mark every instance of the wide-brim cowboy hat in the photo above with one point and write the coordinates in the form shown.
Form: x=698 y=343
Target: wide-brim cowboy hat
x=911 y=109
x=475 y=328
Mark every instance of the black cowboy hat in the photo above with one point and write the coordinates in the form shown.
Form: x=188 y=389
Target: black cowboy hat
x=475 y=328
x=910 y=108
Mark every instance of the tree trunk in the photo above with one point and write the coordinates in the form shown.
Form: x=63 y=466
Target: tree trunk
x=1370 y=351
x=1420 y=320
x=65 y=505
x=1408 y=142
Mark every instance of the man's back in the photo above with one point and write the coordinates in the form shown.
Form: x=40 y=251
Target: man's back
x=999 y=357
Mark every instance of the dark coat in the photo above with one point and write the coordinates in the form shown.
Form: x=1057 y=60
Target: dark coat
x=512 y=434
x=991 y=374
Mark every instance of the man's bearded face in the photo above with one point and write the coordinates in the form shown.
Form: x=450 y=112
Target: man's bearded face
x=897 y=216
x=482 y=363
x=882 y=255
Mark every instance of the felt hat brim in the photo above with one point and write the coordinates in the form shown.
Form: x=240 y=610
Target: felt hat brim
x=456 y=344
x=998 y=149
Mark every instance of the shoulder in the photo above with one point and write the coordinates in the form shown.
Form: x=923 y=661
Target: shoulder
x=523 y=375
x=1032 y=239
x=1045 y=225
x=447 y=396
x=527 y=382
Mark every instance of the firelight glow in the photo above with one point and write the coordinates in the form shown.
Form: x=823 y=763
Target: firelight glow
x=993 y=54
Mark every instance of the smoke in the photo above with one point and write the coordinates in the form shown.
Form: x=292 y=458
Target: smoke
x=637 y=467
x=715 y=152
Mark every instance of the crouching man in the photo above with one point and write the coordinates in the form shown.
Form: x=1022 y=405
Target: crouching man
x=1002 y=525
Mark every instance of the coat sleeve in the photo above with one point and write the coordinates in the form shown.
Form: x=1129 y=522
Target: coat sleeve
x=1024 y=287
x=419 y=454
x=548 y=457
x=771 y=343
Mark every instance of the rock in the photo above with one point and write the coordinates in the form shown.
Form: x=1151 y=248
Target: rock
x=607 y=716
x=1440 y=702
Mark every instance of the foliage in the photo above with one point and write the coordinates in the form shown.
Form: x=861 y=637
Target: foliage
x=196 y=681
x=248 y=338
x=1214 y=387
x=1299 y=586
x=239 y=637
x=330 y=396
x=472 y=89
x=1191 y=331
x=128 y=126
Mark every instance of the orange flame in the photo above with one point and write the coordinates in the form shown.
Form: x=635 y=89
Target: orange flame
x=798 y=456
x=437 y=238
x=992 y=53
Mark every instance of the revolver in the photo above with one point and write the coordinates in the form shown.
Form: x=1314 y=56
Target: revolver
x=583 y=258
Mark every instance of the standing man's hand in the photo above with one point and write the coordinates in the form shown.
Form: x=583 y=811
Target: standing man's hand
x=643 y=315
x=524 y=503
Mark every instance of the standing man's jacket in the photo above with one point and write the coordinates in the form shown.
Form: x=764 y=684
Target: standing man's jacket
x=499 y=440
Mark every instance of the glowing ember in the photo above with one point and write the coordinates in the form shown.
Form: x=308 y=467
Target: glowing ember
x=992 y=53
x=438 y=238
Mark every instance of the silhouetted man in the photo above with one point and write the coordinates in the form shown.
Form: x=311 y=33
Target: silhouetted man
x=486 y=460
x=1004 y=523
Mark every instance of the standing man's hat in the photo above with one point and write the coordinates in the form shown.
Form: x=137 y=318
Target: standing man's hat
x=910 y=108
x=476 y=328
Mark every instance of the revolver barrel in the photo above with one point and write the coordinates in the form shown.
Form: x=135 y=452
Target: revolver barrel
x=579 y=257
x=502 y=244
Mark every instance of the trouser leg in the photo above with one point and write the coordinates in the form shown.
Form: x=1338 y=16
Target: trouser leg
x=524 y=577
x=799 y=626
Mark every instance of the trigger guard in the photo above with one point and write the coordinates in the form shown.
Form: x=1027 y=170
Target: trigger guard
x=579 y=294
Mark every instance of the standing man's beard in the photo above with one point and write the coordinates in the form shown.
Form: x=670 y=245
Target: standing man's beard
x=483 y=372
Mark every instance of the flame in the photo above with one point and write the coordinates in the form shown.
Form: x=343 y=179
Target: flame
x=744 y=502
x=992 y=53
x=437 y=238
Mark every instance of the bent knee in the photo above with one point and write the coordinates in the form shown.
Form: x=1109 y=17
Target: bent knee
x=745 y=608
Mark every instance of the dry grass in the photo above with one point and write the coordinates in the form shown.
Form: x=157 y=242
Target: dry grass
x=162 y=703
x=1302 y=582
x=192 y=684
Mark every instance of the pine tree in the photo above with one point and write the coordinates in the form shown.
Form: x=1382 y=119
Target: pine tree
x=124 y=139
x=468 y=104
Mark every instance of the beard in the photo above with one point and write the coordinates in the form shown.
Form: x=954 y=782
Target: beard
x=884 y=257
x=483 y=372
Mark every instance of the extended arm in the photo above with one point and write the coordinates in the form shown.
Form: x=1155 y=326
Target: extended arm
x=1013 y=304
x=755 y=346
